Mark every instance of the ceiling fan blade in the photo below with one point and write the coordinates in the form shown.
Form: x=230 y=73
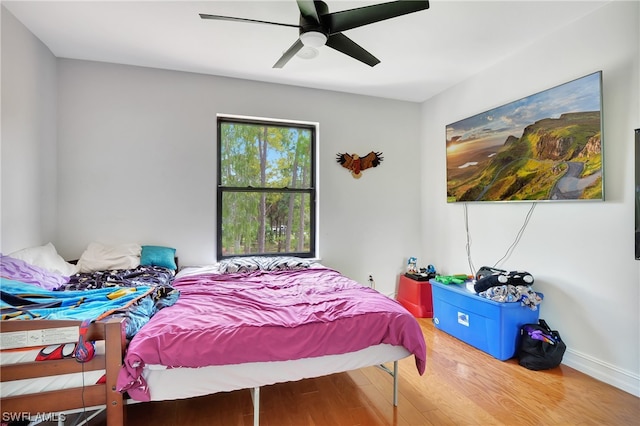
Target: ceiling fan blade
x=308 y=10
x=254 y=21
x=353 y=18
x=344 y=44
x=290 y=53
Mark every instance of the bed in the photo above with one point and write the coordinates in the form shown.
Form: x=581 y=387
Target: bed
x=239 y=324
x=247 y=323
x=43 y=314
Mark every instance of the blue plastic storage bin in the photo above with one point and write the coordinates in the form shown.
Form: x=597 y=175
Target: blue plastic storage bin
x=492 y=327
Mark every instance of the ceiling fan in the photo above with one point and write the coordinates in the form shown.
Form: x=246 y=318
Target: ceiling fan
x=318 y=27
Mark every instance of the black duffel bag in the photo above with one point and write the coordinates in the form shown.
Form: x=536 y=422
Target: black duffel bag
x=540 y=347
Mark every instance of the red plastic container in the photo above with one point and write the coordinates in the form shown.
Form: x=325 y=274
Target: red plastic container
x=416 y=297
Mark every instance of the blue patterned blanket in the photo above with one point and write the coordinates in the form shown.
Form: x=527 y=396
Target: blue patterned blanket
x=137 y=304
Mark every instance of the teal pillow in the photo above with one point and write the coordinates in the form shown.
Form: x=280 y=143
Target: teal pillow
x=158 y=256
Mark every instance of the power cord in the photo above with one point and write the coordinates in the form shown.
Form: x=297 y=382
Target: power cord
x=84 y=405
x=511 y=248
x=468 y=245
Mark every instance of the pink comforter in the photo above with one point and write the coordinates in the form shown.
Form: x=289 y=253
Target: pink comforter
x=267 y=316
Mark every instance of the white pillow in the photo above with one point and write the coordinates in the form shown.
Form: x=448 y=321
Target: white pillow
x=46 y=257
x=102 y=257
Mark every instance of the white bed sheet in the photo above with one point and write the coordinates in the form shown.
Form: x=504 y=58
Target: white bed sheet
x=178 y=383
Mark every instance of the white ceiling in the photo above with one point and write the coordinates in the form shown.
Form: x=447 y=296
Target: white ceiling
x=421 y=54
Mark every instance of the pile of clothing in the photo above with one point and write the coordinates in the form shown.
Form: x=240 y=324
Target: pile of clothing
x=502 y=286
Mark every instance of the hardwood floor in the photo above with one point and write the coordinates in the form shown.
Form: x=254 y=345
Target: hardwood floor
x=462 y=386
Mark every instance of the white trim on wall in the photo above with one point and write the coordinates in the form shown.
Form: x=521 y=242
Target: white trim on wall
x=603 y=371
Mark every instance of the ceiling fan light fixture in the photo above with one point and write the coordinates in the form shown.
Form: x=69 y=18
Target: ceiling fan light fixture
x=313 y=39
x=307 y=52
x=317 y=27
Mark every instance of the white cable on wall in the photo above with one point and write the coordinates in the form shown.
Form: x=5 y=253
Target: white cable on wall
x=472 y=268
x=511 y=248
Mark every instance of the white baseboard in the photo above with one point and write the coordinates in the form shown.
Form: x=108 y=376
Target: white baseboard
x=610 y=374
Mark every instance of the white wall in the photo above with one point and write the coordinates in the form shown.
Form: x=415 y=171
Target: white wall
x=136 y=159
x=137 y=162
x=28 y=162
x=581 y=254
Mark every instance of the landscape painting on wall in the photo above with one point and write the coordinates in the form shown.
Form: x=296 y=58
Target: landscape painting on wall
x=545 y=147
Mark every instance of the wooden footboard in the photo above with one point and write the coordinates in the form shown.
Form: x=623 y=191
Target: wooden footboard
x=75 y=398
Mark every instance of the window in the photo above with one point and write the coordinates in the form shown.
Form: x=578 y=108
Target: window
x=266 y=188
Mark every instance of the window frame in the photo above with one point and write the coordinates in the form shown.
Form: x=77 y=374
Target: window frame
x=312 y=190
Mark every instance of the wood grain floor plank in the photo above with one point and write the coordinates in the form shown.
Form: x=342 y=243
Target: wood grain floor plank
x=461 y=386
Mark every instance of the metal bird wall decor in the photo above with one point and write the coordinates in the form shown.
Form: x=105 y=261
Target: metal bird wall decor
x=357 y=164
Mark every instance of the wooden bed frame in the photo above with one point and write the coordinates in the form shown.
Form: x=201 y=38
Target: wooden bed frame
x=111 y=332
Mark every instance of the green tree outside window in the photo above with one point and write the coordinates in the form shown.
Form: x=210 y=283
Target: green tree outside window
x=266 y=188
